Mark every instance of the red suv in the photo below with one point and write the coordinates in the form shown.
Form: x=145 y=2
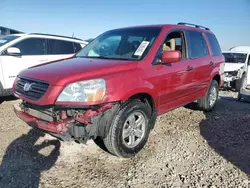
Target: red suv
x=115 y=87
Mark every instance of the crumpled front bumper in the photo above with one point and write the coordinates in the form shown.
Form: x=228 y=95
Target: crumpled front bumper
x=54 y=127
x=229 y=79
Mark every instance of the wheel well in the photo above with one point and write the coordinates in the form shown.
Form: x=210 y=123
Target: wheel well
x=144 y=97
x=148 y=99
x=217 y=78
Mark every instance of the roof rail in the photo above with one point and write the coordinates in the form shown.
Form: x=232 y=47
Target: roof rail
x=189 y=24
x=54 y=36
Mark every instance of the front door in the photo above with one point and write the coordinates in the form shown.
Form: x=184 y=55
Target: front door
x=177 y=84
x=33 y=52
x=174 y=80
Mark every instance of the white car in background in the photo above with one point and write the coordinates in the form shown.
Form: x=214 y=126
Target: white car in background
x=21 y=51
x=237 y=67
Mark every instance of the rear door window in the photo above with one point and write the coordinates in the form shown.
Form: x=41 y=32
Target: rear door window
x=214 y=44
x=32 y=46
x=57 y=47
x=197 y=46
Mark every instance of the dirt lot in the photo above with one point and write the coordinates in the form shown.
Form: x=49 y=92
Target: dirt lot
x=187 y=148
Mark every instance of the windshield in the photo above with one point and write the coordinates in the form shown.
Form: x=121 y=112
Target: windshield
x=5 y=39
x=235 y=57
x=123 y=44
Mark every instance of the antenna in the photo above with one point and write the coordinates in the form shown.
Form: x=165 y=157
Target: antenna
x=73 y=35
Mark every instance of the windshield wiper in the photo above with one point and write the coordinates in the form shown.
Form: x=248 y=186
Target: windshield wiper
x=97 y=57
x=105 y=57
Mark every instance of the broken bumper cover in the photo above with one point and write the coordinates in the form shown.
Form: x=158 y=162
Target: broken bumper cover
x=54 y=127
x=231 y=76
x=77 y=125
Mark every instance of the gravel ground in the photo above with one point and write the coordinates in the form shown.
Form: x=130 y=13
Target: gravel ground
x=187 y=148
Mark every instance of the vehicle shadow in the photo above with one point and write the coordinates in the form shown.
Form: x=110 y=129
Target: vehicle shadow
x=227 y=131
x=8 y=98
x=22 y=163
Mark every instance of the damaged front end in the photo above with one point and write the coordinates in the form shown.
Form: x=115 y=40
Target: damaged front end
x=232 y=76
x=233 y=72
x=68 y=123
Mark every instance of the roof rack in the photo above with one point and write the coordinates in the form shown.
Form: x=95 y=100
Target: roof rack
x=54 y=35
x=189 y=24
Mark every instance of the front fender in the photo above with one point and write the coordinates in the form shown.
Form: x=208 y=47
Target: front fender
x=129 y=86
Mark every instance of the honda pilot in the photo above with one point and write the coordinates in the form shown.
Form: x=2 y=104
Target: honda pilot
x=115 y=87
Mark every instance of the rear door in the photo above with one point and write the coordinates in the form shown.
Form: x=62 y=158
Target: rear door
x=33 y=52
x=61 y=49
x=198 y=53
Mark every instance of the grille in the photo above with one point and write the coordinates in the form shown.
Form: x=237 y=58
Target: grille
x=30 y=88
x=233 y=73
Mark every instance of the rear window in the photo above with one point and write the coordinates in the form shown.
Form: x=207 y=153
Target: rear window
x=5 y=39
x=214 y=44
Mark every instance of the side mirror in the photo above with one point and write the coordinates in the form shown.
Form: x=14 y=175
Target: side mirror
x=170 y=56
x=13 y=51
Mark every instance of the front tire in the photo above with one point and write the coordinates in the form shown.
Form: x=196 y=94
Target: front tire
x=129 y=130
x=208 y=102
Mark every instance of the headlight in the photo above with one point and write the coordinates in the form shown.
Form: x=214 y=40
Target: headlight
x=85 y=91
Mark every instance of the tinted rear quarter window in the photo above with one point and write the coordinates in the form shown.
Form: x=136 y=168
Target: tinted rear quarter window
x=197 y=46
x=77 y=47
x=60 y=47
x=214 y=44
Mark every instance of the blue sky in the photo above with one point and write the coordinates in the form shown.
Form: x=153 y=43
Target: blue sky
x=228 y=19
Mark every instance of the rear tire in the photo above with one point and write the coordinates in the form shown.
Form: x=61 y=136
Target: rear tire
x=208 y=102
x=129 y=130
